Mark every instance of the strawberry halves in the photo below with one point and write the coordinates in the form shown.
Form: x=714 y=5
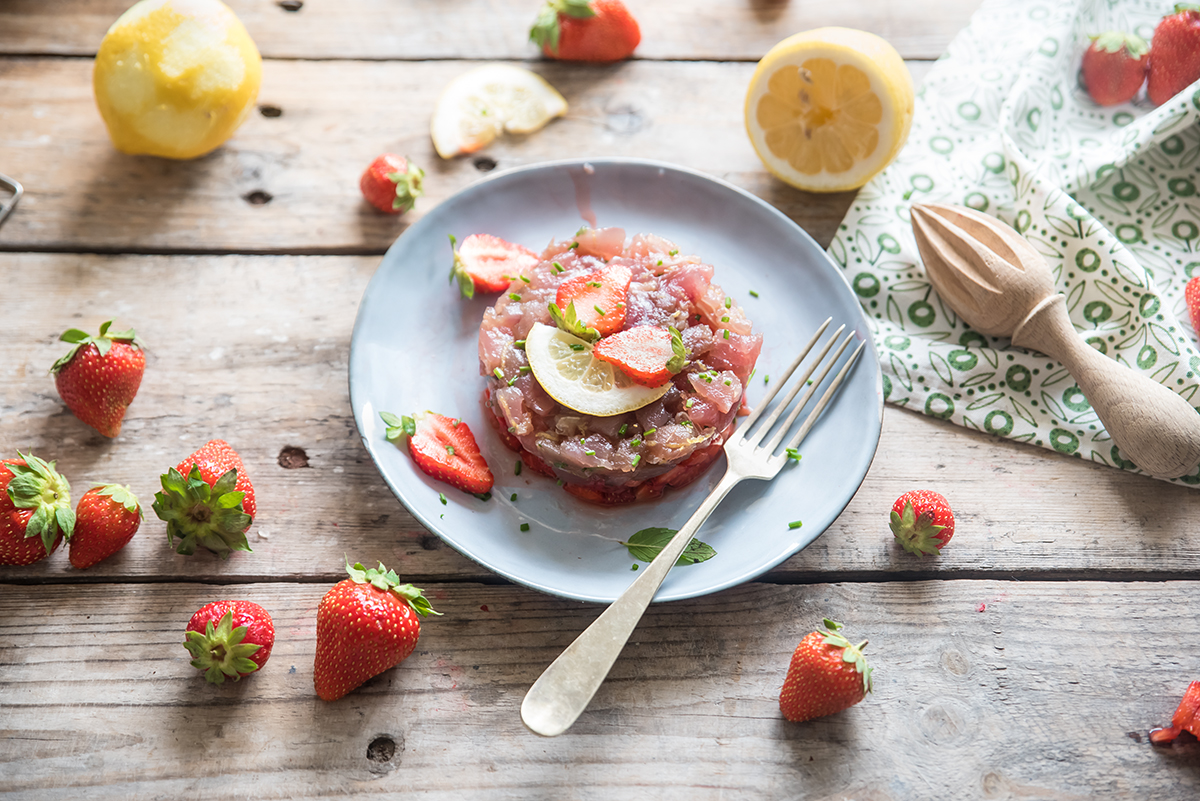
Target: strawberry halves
x=486 y=263
x=443 y=448
x=1186 y=717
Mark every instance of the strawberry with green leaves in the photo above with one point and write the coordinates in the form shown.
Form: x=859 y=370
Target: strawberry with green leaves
x=1114 y=67
x=99 y=377
x=486 y=263
x=922 y=522
x=392 y=183
x=106 y=519
x=586 y=30
x=35 y=510
x=207 y=500
x=1174 y=53
x=650 y=355
x=229 y=639
x=443 y=448
x=827 y=674
x=366 y=624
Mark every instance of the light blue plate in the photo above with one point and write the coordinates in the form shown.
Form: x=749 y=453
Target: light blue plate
x=415 y=348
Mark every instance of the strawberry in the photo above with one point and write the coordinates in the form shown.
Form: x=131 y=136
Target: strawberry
x=366 y=624
x=392 y=183
x=1174 y=53
x=443 y=448
x=229 y=638
x=1191 y=293
x=827 y=674
x=1186 y=717
x=1114 y=67
x=99 y=377
x=646 y=353
x=207 y=500
x=598 y=298
x=486 y=263
x=106 y=519
x=579 y=30
x=35 y=510
x=922 y=522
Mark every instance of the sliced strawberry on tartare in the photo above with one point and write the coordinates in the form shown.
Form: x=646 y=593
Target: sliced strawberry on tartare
x=648 y=354
x=443 y=448
x=486 y=263
x=598 y=297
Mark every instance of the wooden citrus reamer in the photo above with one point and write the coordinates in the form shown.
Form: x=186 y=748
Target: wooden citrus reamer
x=1001 y=286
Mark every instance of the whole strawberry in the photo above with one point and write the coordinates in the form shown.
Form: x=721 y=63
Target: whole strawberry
x=392 y=183
x=1114 y=67
x=922 y=522
x=99 y=377
x=366 y=624
x=579 y=30
x=827 y=674
x=207 y=500
x=229 y=638
x=106 y=519
x=1174 y=53
x=35 y=510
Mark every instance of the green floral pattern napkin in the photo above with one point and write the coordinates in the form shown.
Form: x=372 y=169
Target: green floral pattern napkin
x=1108 y=195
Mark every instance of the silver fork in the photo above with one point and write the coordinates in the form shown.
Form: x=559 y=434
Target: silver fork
x=564 y=690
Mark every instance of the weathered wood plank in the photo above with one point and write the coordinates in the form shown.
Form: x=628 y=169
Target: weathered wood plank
x=1046 y=694
x=491 y=29
x=254 y=350
x=83 y=195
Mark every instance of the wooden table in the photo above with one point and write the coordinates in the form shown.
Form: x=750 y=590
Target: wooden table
x=1026 y=662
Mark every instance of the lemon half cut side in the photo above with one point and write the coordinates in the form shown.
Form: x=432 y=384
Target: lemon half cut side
x=828 y=109
x=565 y=367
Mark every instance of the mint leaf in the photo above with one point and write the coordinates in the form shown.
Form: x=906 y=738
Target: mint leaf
x=649 y=542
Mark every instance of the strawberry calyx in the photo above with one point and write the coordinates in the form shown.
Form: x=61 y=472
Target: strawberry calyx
x=103 y=342
x=383 y=579
x=122 y=496
x=546 y=30
x=458 y=272
x=1116 y=41
x=569 y=321
x=1180 y=8
x=199 y=514
x=917 y=534
x=37 y=485
x=408 y=186
x=220 y=652
x=851 y=654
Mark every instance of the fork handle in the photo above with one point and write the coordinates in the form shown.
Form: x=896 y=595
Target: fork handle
x=563 y=691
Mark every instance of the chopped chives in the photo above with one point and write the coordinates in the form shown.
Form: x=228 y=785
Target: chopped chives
x=558 y=268
x=728 y=383
x=513 y=497
x=513 y=380
x=513 y=296
x=573 y=245
x=728 y=303
x=496 y=372
x=795 y=524
x=673 y=253
x=766 y=379
x=690 y=403
x=517 y=468
x=594 y=283
x=621 y=431
x=524 y=368
x=589 y=453
x=659 y=263
x=523 y=278
x=576 y=346
x=636 y=442
x=634 y=567
x=793 y=454
x=450 y=449
x=519 y=344
x=524 y=527
x=637 y=457
x=649 y=431
x=725 y=319
x=727 y=333
x=442 y=498
x=753 y=294
x=599 y=310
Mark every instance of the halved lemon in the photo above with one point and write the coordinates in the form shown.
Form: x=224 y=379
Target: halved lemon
x=482 y=103
x=829 y=108
x=565 y=367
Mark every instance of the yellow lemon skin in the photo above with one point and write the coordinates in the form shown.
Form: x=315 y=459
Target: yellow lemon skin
x=828 y=109
x=175 y=78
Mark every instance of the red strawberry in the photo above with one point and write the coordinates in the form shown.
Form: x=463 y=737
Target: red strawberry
x=444 y=448
x=1191 y=293
x=922 y=522
x=1174 y=53
x=35 y=510
x=646 y=353
x=229 y=638
x=366 y=624
x=598 y=298
x=579 y=30
x=1114 y=67
x=105 y=521
x=99 y=377
x=207 y=500
x=486 y=263
x=827 y=675
x=392 y=184
x=1186 y=717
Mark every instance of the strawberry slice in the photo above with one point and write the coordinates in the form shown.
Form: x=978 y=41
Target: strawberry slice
x=1191 y=294
x=1186 y=717
x=486 y=263
x=646 y=353
x=443 y=448
x=599 y=297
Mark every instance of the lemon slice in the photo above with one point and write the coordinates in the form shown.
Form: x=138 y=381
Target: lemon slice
x=828 y=109
x=479 y=105
x=565 y=367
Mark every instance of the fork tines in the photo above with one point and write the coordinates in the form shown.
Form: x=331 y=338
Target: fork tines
x=800 y=384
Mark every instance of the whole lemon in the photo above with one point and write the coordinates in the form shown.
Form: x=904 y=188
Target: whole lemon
x=175 y=78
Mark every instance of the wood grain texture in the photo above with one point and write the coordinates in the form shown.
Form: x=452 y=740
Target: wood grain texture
x=499 y=29
x=255 y=349
x=1046 y=694
x=83 y=195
